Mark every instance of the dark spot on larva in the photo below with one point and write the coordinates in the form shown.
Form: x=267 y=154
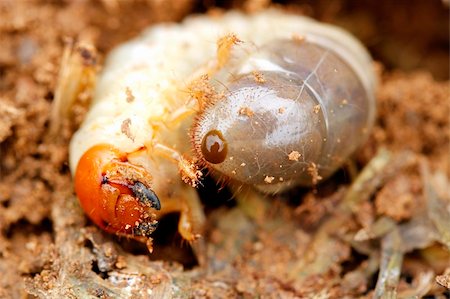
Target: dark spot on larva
x=214 y=147
x=87 y=55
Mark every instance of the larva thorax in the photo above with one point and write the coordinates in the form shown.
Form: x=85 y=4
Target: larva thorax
x=293 y=110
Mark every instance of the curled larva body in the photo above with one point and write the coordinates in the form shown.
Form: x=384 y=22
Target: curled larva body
x=132 y=156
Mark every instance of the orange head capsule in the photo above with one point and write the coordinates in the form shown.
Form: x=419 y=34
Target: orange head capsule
x=114 y=193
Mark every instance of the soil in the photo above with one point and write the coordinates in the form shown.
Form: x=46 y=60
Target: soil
x=388 y=209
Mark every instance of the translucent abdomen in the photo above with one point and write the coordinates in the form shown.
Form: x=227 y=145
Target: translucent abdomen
x=293 y=112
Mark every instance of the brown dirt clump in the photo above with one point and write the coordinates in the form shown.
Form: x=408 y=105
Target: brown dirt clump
x=387 y=214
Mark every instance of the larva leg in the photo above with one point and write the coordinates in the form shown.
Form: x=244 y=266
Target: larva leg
x=253 y=203
x=187 y=203
x=179 y=115
x=77 y=76
x=191 y=224
x=192 y=219
x=188 y=169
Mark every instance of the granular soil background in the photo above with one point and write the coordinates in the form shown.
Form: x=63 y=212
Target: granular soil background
x=329 y=242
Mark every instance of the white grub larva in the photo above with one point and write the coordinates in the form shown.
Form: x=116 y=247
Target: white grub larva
x=132 y=152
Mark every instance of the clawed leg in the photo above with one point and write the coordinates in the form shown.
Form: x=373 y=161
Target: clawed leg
x=189 y=172
x=192 y=219
x=190 y=225
x=76 y=80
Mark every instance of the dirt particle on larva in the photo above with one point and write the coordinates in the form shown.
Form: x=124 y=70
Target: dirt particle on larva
x=224 y=46
x=444 y=280
x=233 y=172
x=313 y=171
x=259 y=78
x=298 y=38
x=246 y=111
x=269 y=179
x=281 y=179
x=202 y=91
x=130 y=96
x=344 y=102
x=316 y=108
x=243 y=164
x=281 y=110
x=294 y=155
x=189 y=172
x=125 y=128
x=121 y=261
